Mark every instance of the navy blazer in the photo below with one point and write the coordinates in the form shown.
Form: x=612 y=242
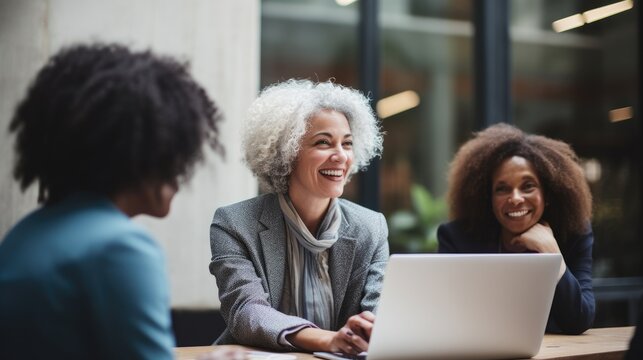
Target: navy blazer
x=572 y=311
x=249 y=261
x=635 y=352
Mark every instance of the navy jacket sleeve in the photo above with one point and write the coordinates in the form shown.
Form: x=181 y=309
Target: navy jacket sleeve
x=573 y=308
x=635 y=352
x=450 y=237
x=445 y=239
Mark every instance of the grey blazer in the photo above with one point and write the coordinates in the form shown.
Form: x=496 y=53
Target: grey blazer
x=249 y=257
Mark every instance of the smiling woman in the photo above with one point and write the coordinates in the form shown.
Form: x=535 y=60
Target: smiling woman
x=514 y=192
x=324 y=162
x=300 y=268
x=516 y=199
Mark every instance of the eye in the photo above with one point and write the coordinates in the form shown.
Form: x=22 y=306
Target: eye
x=501 y=189
x=530 y=186
x=322 y=142
x=348 y=144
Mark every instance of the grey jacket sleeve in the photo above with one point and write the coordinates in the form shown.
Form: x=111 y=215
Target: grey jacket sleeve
x=243 y=289
x=375 y=277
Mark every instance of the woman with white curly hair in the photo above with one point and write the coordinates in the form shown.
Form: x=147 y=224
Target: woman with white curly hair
x=298 y=268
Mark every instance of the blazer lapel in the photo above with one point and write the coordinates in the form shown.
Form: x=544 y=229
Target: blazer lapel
x=273 y=245
x=342 y=254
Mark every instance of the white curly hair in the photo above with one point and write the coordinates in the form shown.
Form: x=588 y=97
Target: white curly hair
x=278 y=120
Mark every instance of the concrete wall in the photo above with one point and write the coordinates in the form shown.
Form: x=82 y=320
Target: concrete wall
x=221 y=41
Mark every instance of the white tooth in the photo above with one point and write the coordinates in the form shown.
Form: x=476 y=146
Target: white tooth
x=518 y=213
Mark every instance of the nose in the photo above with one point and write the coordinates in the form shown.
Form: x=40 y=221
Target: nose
x=516 y=197
x=339 y=156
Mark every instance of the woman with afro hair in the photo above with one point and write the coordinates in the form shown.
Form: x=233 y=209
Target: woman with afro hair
x=107 y=134
x=512 y=192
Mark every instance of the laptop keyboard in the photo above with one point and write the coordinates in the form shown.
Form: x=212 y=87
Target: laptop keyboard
x=340 y=356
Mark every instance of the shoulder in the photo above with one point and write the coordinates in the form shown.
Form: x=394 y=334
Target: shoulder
x=249 y=216
x=106 y=226
x=114 y=237
x=87 y=236
x=452 y=230
x=575 y=243
x=362 y=223
x=79 y=223
x=245 y=210
x=454 y=237
x=357 y=213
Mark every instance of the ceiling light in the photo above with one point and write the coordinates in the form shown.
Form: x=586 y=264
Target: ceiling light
x=344 y=2
x=607 y=10
x=589 y=16
x=568 y=23
x=624 y=113
x=397 y=103
x=592 y=169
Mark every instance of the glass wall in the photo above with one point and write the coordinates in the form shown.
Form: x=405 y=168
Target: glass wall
x=425 y=56
x=426 y=51
x=314 y=39
x=564 y=86
x=310 y=39
x=580 y=86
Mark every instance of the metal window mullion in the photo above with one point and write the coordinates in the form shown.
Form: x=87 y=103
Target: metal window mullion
x=491 y=62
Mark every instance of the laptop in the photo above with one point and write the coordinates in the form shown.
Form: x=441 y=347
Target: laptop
x=463 y=306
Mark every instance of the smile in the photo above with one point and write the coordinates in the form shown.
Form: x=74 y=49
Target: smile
x=516 y=214
x=334 y=173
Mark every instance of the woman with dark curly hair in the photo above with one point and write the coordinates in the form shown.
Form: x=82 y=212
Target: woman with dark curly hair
x=514 y=192
x=107 y=134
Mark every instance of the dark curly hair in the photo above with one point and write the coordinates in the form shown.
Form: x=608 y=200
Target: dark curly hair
x=566 y=193
x=102 y=118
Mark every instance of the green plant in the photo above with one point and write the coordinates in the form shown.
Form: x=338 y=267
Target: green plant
x=415 y=230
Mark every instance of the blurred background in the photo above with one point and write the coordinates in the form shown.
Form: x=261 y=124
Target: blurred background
x=437 y=70
x=580 y=85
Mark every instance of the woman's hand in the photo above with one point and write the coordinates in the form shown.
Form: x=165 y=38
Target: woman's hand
x=540 y=238
x=352 y=338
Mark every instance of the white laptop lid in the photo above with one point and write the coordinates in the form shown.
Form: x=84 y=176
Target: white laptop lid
x=461 y=306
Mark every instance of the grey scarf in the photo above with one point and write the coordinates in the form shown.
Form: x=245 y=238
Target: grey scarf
x=309 y=279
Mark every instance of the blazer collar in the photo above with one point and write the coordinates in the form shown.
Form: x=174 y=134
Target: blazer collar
x=273 y=245
x=340 y=262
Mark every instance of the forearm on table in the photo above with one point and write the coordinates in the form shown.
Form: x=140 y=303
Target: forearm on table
x=312 y=339
x=573 y=305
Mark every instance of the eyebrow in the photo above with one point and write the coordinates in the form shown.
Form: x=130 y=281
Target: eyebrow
x=525 y=177
x=327 y=134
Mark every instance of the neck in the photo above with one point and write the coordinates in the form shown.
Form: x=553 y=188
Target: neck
x=310 y=210
x=129 y=202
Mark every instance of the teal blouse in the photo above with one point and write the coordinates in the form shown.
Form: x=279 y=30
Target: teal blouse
x=80 y=280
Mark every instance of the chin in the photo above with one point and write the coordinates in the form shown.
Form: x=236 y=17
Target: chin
x=159 y=212
x=517 y=230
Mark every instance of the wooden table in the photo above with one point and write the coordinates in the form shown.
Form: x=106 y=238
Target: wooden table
x=601 y=343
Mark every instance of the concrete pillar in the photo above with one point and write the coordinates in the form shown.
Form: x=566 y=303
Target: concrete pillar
x=221 y=40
